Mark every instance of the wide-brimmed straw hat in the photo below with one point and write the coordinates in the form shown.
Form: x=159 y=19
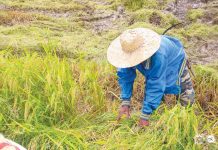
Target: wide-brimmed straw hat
x=132 y=47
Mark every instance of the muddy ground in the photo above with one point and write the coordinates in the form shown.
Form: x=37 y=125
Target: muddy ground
x=201 y=50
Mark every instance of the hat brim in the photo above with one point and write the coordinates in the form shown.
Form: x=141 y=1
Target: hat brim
x=121 y=59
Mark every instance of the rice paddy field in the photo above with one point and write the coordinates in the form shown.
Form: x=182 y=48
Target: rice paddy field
x=58 y=92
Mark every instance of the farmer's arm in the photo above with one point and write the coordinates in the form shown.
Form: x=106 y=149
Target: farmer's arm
x=126 y=77
x=155 y=85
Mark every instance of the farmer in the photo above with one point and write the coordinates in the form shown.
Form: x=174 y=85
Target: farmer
x=162 y=61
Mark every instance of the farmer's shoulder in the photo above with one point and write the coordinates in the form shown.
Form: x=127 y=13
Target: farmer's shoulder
x=170 y=42
x=169 y=46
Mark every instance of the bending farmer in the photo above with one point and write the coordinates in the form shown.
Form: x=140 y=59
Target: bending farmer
x=160 y=58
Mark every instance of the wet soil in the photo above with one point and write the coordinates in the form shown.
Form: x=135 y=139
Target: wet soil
x=100 y=20
x=201 y=51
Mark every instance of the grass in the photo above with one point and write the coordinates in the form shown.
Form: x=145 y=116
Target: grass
x=12 y=17
x=27 y=30
x=133 y=4
x=199 y=30
x=32 y=37
x=54 y=103
x=147 y=4
x=195 y=14
x=154 y=17
x=56 y=5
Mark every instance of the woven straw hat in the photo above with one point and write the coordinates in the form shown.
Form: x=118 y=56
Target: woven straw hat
x=132 y=47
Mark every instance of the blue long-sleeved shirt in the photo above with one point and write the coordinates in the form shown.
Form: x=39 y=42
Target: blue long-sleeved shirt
x=161 y=72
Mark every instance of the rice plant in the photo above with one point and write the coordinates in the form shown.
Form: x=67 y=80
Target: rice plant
x=53 y=103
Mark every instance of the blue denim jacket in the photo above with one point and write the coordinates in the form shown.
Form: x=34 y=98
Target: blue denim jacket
x=161 y=72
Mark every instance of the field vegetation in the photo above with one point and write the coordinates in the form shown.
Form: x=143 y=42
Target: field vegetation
x=53 y=103
x=57 y=91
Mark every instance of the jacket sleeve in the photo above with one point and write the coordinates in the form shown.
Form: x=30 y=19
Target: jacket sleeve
x=155 y=85
x=126 y=77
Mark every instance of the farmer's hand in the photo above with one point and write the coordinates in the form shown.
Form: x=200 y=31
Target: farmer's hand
x=124 y=110
x=143 y=123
